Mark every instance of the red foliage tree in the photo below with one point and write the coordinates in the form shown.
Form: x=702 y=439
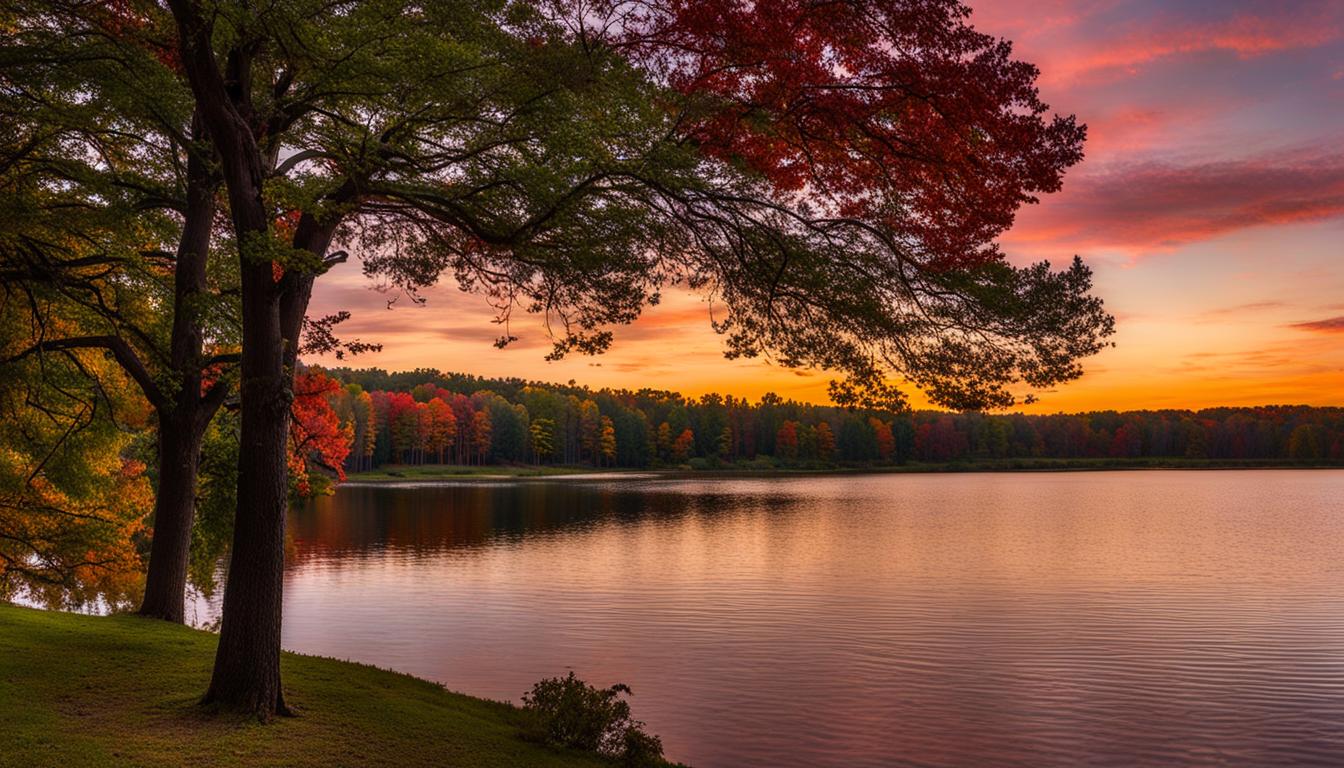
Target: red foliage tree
x=786 y=440
x=940 y=441
x=895 y=111
x=681 y=447
x=316 y=435
x=886 y=441
x=404 y=423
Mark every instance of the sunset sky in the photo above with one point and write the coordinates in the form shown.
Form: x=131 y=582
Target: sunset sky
x=1210 y=205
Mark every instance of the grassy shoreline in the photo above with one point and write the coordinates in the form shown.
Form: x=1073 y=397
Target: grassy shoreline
x=80 y=690
x=448 y=472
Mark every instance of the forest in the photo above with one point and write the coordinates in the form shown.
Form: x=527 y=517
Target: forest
x=359 y=419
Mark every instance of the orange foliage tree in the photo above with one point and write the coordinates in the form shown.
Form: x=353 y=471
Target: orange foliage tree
x=316 y=436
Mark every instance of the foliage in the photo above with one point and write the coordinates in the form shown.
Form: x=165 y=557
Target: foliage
x=316 y=435
x=72 y=508
x=833 y=176
x=813 y=435
x=217 y=498
x=568 y=713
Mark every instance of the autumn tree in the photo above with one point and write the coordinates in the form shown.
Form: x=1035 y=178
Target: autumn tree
x=317 y=437
x=786 y=440
x=607 y=441
x=110 y=202
x=886 y=439
x=404 y=425
x=482 y=430
x=442 y=427
x=825 y=441
x=71 y=502
x=683 y=445
x=542 y=435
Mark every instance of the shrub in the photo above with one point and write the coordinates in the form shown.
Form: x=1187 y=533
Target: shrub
x=566 y=712
x=762 y=462
x=642 y=750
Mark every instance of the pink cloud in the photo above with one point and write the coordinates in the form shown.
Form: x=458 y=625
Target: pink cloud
x=1110 y=52
x=1155 y=206
x=1328 y=325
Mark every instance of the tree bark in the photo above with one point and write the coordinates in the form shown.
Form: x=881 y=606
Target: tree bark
x=182 y=420
x=174 y=512
x=247 y=662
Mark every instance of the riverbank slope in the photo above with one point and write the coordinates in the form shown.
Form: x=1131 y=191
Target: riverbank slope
x=104 y=691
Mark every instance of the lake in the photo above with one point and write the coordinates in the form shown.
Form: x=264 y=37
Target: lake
x=1035 y=619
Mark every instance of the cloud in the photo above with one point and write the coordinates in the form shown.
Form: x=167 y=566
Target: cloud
x=1150 y=206
x=1076 y=42
x=1244 y=36
x=1328 y=325
x=1241 y=309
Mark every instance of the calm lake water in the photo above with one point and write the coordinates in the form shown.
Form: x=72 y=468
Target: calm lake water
x=1117 y=618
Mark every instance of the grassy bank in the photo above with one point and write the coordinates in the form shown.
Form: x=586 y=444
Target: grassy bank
x=440 y=472
x=94 y=691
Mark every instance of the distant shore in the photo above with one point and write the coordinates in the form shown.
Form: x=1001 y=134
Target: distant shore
x=430 y=473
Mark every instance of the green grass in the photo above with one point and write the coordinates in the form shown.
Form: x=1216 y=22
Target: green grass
x=109 y=691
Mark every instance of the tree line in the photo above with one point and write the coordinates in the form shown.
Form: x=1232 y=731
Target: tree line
x=428 y=417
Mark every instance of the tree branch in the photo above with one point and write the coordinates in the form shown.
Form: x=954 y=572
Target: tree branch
x=125 y=356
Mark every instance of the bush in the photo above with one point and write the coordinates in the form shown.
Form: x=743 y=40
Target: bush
x=568 y=713
x=762 y=462
x=642 y=750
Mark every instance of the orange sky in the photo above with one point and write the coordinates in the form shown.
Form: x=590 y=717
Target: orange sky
x=1210 y=206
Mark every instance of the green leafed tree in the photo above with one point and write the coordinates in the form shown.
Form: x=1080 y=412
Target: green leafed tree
x=109 y=199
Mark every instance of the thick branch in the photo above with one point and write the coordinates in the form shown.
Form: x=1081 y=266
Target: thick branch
x=125 y=356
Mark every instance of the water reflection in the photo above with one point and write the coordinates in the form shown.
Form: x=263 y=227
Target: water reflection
x=433 y=518
x=1091 y=618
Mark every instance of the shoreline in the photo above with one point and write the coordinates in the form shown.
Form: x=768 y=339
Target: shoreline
x=430 y=474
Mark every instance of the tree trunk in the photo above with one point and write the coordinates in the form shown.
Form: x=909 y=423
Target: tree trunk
x=174 y=511
x=247 y=662
x=182 y=420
